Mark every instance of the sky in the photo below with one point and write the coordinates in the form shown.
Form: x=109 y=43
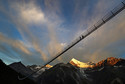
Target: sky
x=34 y=31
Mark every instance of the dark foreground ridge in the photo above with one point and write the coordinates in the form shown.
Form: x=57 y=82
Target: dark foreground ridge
x=62 y=74
x=9 y=76
x=111 y=71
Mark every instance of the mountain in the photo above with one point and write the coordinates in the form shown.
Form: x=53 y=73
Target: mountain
x=10 y=76
x=36 y=68
x=111 y=61
x=20 y=68
x=27 y=70
x=109 y=71
x=79 y=64
x=63 y=74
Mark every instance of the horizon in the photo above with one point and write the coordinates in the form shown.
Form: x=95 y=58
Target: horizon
x=73 y=59
x=34 y=31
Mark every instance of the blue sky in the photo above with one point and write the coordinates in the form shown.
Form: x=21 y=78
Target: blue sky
x=33 y=31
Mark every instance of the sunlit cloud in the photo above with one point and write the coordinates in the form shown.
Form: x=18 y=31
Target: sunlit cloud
x=29 y=14
x=15 y=43
x=32 y=14
x=46 y=28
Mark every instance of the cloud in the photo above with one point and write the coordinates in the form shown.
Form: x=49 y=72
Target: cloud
x=103 y=43
x=22 y=18
x=31 y=13
x=13 y=49
x=18 y=50
x=14 y=43
x=44 y=31
x=63 y=44
x=107 y=41
x=28 y=14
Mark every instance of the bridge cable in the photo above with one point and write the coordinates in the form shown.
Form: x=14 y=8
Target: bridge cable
x=105 y=19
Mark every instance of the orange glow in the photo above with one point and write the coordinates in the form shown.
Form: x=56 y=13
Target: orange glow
x=79 y=64
x=109 y=61
x=48 y=66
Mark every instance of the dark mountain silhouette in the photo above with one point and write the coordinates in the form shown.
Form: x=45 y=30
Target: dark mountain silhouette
x=108 y=71
x=20 y=68
x=10 y=76
x=63 y=74
x=107 y=75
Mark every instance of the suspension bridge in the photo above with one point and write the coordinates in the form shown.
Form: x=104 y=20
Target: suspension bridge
x=97 y=25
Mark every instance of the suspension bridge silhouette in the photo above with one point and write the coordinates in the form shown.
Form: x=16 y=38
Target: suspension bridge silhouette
x=97 y=25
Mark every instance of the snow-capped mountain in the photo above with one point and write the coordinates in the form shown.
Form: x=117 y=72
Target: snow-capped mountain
x=79 y=64
x=111 y=61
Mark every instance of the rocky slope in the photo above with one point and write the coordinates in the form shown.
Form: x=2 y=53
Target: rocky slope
x=63 y=74
x=111 y=61
x=36 y=68
x=10 y=76
x=27 y=70
x=20 y=68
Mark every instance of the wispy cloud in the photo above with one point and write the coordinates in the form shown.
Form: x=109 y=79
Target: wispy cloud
x=28 y=14
x=45 y=30
x=31 y=14
x=14 y=43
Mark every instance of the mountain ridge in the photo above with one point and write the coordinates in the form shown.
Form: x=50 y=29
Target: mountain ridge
x=20 y=68
x=10 y=76
x=69 y=74
x=110 y=61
